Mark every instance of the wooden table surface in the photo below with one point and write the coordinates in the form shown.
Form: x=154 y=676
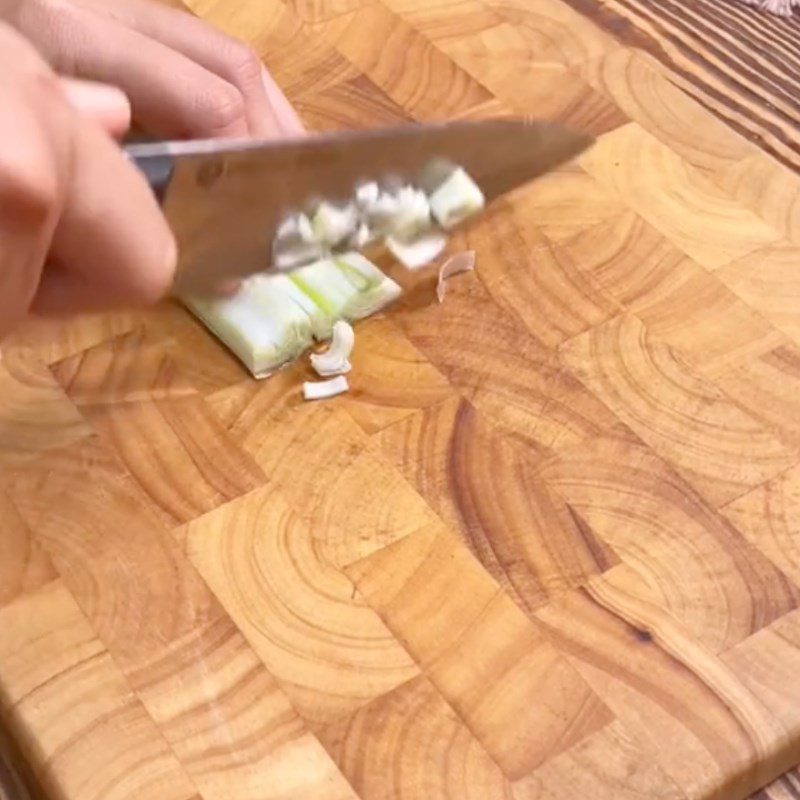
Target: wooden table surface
x=548 y=548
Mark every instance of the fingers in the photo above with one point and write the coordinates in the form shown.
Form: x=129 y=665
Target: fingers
x=32 y=173
x=69 y=196
x=172 y=95
x=229 y=79
x=220 y=54
x=110 y=248
x=106 y=105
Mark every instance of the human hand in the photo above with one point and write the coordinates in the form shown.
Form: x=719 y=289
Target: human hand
x=79 y=227
x=184 y=78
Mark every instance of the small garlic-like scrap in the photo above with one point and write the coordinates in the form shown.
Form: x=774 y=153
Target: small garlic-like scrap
x=460 y=262
x=418 y=252
x=321 y=390
x=335 y=360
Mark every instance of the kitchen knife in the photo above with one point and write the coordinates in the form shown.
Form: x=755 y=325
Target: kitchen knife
x=224 y=200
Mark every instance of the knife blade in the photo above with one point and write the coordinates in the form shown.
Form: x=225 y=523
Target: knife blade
x=224 y=200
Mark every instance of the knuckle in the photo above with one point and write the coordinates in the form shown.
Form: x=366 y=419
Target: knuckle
x=29 y=190
x=245 y=64
x=155 y=280
x=221 y=107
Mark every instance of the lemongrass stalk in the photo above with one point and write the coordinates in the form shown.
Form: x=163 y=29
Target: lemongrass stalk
x=273 y=318
x=456 y=199
x=374 y=290
x=260 y=324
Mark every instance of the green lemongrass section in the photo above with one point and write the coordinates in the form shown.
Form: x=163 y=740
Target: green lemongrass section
x=275 y=318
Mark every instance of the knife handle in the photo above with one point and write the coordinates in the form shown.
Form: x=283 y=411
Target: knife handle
x=157 y=170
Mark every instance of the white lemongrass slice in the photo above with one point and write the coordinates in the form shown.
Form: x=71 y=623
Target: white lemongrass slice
x=379 y=211
x=367 y=195
x=297 y=255
x=333 y=224
x=335 y=360
x=413 y=215
x=259 y=323
x=321 y=390
x=295 y=229
x=374 y=289
x=326 y=286
x=294 y=243
x=460 y=262
x=456 y=199
x=362 y=237
x=419 y=252
x=320 y=321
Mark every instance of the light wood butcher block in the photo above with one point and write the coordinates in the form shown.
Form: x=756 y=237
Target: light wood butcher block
x=547 y=548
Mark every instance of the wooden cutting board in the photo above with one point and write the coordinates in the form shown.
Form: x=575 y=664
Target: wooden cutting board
x=547 y=548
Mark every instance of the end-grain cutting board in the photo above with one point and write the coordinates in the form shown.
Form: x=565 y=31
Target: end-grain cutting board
x=548 y=547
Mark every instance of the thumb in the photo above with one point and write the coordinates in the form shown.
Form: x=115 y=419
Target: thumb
x=108 y=106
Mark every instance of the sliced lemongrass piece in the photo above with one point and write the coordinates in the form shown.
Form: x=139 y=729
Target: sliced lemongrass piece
x=419 y=252
x=362 y=237
x=456 y=199
x=295 y=229
x=460 y=262
x=374 y=290
x=294 y=243
x=335 y=360
x=333 y=224
x=326 y=286
x=377 y=210
x=321 y=322
x=321 y=390
x=367 y=195
x=413 y=215
x=260 y=324
x=297 y=256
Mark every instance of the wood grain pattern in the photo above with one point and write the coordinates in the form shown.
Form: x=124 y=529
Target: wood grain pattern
x=62 y=686
x=740 y=65
x=675 y=197
x=479 y=650
x=328 y=649
x=484 y=486
x=546 y=548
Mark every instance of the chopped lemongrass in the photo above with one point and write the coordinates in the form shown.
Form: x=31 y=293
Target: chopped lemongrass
x=296 y=256
x=379 y=211
x=348 y=286
x=456 y=199
x=320 y=321
x=334 y=361
x=324 y=283
x=260 y=324
x=413 y=215
x=367 y=194
x=374 y=289
x=321 y=390
x=294 y=243
x=294 y=230
x=333 y=224
x=417 y=253
x=273 y=318
x=362 y=237
x=460 y=262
